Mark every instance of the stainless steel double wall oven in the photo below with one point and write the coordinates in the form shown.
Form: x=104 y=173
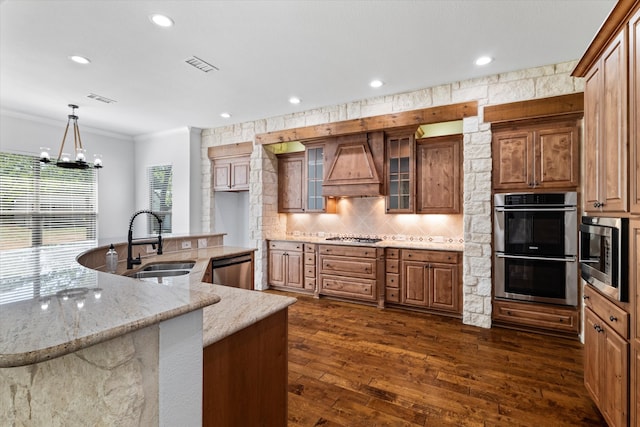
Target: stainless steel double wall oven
x=536 y=247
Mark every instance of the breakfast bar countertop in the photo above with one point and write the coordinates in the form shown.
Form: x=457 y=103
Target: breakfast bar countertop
x=48 y=315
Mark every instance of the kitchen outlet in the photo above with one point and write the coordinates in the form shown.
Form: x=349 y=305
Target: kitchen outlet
x=202 y=243
x=186 y=244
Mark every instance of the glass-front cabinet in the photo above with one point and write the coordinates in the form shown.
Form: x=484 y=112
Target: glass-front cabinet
x=315 y=171
x=314 y=174
x=400 y=172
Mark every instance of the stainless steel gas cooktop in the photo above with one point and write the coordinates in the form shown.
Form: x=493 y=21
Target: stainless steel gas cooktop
x=355 y=239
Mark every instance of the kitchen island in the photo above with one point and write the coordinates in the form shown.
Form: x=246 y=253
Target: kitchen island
x=103 y=349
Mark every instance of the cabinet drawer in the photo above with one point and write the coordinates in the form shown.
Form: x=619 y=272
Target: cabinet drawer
x=430 y=256
x=309 y=258
x=354 y=251
x=611 y=314
x=310 y=283
x=393 y=253
x=285 y=246
x=393 y=266
x=348 y=287
x=309 y=271
x=536 y=315
x=350 y=267
x=392 y=280
x=309 y=247
x=392 y=295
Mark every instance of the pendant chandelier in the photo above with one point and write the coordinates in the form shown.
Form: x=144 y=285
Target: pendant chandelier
x=80 y=155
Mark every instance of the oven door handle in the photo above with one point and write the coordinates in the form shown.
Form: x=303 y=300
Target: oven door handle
x=503 y=209
x=538 y=258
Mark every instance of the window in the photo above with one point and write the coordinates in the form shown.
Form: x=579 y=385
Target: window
x=160 y=198
x=47 y=217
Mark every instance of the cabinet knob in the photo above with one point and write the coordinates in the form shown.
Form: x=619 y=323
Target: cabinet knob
x=585 y=297
x=613 y=318
x=598 y=204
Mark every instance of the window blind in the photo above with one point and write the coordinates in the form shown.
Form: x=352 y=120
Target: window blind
x=160 y=197
x=47 y=217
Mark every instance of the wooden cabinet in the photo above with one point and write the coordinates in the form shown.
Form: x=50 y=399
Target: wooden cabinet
x=606 y=363
x=314 y=179
x=231 y=174
x=245 y=376
x=634 y=112
x=431 y=279
x=400 y=165
x=438 y=178
x=392 y=275
x=536 y=154
x=286 y=264
x=310 y=276
x=546 y=318
x=350 y=271
x=291 y=183
x=634 y=292
x=605 y=179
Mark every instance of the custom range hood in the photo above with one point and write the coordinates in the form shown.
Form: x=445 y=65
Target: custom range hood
x=354 y=166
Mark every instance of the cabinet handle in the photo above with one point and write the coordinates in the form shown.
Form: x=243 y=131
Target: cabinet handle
x=598 y=204
x=613 y=318
x=585 y=297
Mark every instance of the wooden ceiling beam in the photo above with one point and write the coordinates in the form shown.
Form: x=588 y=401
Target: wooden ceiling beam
x=534 y=108
x=430 y=115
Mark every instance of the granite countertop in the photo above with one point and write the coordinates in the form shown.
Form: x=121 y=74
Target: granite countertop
x=83 y=307
x=400 y=244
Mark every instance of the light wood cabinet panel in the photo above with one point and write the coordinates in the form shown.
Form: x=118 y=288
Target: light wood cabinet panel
x=592 y=357
x=291 y=183
x=286 y=265
x=231 y=174
x=314 y=179
x=536 y=154
x=615 y=379
x=415 y=286
x=605 y=186
x=443 y=287
x=634 y=281
x=439 y=162
x=634 y=113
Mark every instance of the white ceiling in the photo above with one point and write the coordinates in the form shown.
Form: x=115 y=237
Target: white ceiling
x=324 y=52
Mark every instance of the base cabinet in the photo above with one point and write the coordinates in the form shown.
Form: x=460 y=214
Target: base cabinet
x=245 y=376
x=431 y=279
x=606 y=357
x=541 y=317
x=286 y=265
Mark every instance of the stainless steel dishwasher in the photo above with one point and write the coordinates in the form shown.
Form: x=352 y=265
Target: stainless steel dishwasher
x=235 y=271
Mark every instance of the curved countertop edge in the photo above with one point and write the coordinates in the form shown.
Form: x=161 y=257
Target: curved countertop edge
x=76 y=344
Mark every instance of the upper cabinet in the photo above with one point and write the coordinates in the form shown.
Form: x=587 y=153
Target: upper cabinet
x=230 y=165
x=400 y=164
x=291 y=183
x=439 y=177
x=536 y=154
x=605 y=185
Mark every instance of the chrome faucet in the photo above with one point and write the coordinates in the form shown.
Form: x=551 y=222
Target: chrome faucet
x=131 y=242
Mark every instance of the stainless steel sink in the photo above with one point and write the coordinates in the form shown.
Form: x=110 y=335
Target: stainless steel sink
x=164 y=269
x=165 y=266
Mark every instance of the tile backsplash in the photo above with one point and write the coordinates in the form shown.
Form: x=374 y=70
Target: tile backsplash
x=365 y=217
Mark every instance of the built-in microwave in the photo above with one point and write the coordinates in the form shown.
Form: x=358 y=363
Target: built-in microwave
x=604 y=255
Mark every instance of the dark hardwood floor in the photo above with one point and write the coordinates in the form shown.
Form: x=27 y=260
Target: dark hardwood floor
x=355 y=365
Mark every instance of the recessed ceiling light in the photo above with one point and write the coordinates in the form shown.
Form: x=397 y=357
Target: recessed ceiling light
x=161 y=20
x=79 y=59
x=295 y=100
x=225 y=115
x=484 y=60
x=376 y=83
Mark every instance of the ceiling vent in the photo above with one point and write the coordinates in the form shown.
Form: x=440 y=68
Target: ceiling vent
x=101 y=98
x=201 y=64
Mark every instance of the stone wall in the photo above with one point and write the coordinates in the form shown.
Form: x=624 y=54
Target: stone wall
x=539 y=82
x=114 y=383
